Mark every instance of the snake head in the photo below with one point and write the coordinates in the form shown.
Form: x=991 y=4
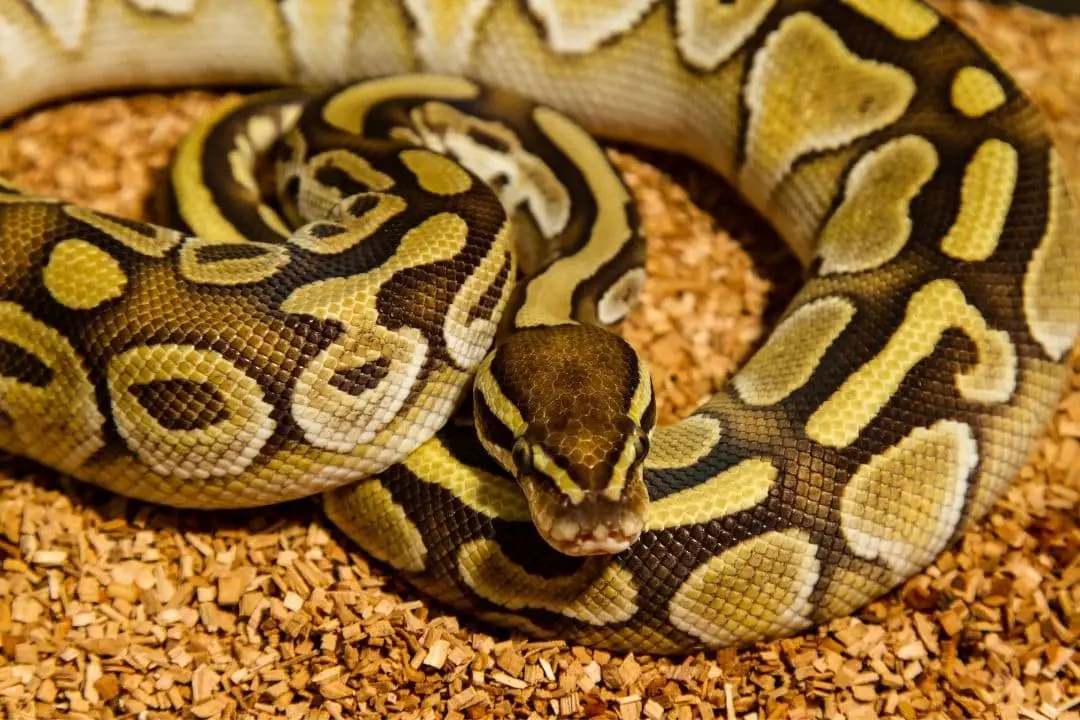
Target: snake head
x=568 y=411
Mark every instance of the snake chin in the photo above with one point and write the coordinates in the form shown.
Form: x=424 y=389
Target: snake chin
x=596 y=526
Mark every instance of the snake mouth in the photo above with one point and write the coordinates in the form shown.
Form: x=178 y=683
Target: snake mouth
x=593 y=527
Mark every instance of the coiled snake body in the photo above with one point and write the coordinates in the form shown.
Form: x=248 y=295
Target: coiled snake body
x=320 y=345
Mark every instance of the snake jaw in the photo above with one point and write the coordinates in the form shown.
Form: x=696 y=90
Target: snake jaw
x=594 y=526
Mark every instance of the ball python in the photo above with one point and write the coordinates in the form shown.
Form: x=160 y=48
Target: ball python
x=417 y=330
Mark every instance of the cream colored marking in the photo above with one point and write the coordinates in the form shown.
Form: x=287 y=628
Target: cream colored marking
x=334 y=419
x=156 y=245
x=468 y=339
x=18 y=48
x=904 y=504
x=873 y=223
x=261 y=132
x=446 y=31
x=932 y=310
x=683 y=444
x=803 y=61
x=525 y=178
x=176 y=8
x=195 y=203
x=571 y=26
x=383 y=39
x=549 y=298
x=348 y=109
x=1006 y=437
x=643 y=392
x=354 y=230
x=343 y=422
x=257 y=137
x=545 y=465
x=58 y=425
x=759 y=588
x=693 y=113
x=491 y=495
x=597 y=598
x=806 y=195
x=1052 y=280
x=316 y=200
x=709 y=33
x=976 y=92
x=985 y=198
x=272 y=220
x=639 y=403
x=222 y=449
x=738 y=488
x=793 y=351
x=620 y=471
x=356 y=167
x=849 y=590
x=65 y=19
x=435 y=173
x=368 y=514
x=320 y=33
x=906 y=19
x=503 y=409
x=82 y=276
x=235 y=271
x=240 y=161
x=621 y=297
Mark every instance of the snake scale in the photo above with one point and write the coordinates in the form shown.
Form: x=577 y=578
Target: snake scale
x=415 y=327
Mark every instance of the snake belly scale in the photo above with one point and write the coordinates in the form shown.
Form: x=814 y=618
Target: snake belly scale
x=323 y=345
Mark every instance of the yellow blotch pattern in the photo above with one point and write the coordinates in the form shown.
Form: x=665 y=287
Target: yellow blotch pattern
x=366 y=511
x=759 y=588
x=58 y=425
x=549 y=298
x=709 y=33
x=82 y=276
x=793 y=351
x=353 y=230
x=445 y=31
x=738 y=488
x=906 y=19
x=488 y=494
x=933 y=309
x=801 y=62
x=683 y=443
x=850 y=589
x=985 y=198
x=976 y=92
x=572 y=26
x=904 y=504
x=597 y=597
x=348 y=109
x=266 y=260
x=224 y=447
x=873 y=222
x=435 y=173
x=1052 y=281
x=152 y=241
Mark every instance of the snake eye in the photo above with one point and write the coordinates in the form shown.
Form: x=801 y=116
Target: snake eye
x=523 y=457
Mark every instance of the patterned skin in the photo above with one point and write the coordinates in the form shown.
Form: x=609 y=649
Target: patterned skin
x=250 y=363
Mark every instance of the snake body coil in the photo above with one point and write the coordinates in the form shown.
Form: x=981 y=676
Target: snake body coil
x=322 y=345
